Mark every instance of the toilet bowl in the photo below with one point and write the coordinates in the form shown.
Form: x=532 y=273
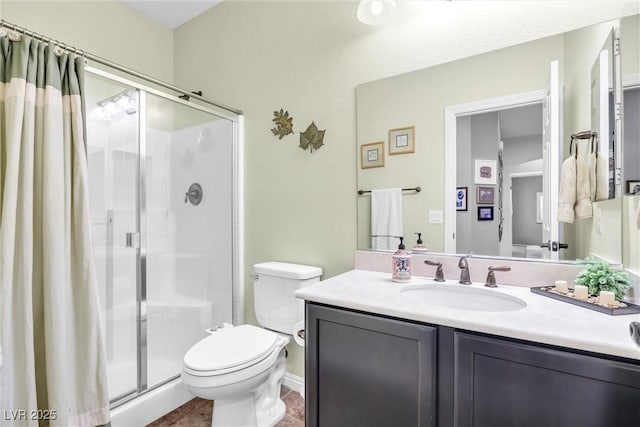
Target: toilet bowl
x=241 y=368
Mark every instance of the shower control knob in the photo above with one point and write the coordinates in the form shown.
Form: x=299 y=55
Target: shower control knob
x=194 y=194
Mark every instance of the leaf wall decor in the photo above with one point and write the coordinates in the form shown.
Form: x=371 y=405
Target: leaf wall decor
x=312 y=138
x=284 y=123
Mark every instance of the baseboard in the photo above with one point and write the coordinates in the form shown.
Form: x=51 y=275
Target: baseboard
x=294 y=382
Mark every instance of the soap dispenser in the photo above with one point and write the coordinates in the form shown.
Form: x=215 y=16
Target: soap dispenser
x=401 y=268
x=419 y=247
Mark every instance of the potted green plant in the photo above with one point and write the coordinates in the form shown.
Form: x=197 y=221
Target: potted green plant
x=599 y=276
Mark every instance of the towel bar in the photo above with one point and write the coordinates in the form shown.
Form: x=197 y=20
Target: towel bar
x=416 y=189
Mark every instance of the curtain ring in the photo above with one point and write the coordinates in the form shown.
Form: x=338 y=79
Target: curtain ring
x=14 y=36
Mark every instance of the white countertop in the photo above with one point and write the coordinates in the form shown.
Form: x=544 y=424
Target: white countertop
x=543 y=320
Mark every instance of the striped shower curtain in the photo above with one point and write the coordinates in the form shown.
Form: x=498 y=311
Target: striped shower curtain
x=52 y=362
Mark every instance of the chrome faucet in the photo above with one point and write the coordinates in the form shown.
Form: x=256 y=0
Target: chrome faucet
x=464 y=270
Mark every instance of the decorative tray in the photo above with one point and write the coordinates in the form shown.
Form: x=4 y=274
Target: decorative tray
x=591 y=303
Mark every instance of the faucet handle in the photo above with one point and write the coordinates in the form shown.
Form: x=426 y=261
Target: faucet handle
x=491 y=277
x=439 y=274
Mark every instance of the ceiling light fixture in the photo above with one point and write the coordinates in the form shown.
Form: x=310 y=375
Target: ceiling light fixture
x=376 y=12
x=123 y=102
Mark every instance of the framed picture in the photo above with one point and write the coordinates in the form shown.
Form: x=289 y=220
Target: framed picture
x=372 y=155
x=484 y=195
x=633 y=186
x=461 y=199
x=402 y=140
x=485 y=172
x=485 y=213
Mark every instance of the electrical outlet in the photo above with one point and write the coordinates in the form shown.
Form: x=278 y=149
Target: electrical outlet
x=435 y=217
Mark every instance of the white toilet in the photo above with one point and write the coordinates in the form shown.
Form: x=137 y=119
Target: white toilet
x=242 y=367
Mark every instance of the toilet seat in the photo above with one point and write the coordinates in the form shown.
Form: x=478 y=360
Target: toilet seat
x=230 y=349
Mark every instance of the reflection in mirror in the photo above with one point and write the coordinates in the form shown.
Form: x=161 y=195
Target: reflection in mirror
x=631 y=168
x=513 y=136
x=603 y=118
x=631 y=147
x=420 y=98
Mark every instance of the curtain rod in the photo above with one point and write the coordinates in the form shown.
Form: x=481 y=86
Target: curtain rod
x=416 y=189
x=115 y=66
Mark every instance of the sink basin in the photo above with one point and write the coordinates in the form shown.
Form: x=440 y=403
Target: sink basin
x=460 y=297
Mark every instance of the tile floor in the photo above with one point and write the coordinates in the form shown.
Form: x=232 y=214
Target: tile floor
x=197 y=412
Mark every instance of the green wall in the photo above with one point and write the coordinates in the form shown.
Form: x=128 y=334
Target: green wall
x=308 y=58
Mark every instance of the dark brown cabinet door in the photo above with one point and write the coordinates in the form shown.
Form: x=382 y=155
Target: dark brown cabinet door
x=505 y=383
x=364 y=370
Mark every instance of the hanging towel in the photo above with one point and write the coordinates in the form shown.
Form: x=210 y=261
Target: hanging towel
x=567 y=196
x=386 y=218
x=584 y=208
x=638 y=214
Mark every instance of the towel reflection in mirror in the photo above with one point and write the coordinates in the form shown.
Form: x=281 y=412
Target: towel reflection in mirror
x=583 y=178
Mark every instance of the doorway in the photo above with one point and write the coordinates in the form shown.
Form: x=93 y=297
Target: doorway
x=510 y=138
x=452 y=115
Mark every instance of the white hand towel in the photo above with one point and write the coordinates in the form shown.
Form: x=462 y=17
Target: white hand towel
x=638 y=214
x=386 y=218
x=567 y=196
x=584 y=208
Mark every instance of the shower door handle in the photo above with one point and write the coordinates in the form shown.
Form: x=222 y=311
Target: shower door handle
x=132 y=240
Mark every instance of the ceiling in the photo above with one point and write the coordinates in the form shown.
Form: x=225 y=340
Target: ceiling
x=172 y=13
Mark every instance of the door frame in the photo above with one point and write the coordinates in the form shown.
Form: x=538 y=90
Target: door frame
x=451 y=113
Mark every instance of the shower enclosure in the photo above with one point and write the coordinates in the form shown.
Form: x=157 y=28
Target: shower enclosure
x=163 y=199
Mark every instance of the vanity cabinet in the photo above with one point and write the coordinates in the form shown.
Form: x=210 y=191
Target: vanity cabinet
x=506 y=383
x=364 y=369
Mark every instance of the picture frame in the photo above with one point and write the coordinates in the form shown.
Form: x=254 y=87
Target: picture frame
x=485 y=195
x=402 y=140
x=461 y=198
x=485 y=172
x=485 y=213
x=372 y=155
x=633 y=186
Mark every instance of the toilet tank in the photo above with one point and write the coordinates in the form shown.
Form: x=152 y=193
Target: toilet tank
x=273 y=286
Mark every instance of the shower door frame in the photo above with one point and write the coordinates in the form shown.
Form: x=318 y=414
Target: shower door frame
x=237 y=225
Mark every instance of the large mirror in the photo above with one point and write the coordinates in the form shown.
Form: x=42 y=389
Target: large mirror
x=492 y=132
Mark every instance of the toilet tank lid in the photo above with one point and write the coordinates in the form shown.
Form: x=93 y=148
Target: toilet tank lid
x=290 y=271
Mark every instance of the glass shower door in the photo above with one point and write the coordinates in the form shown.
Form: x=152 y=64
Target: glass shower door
x=161 y=188
x=112 y=146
